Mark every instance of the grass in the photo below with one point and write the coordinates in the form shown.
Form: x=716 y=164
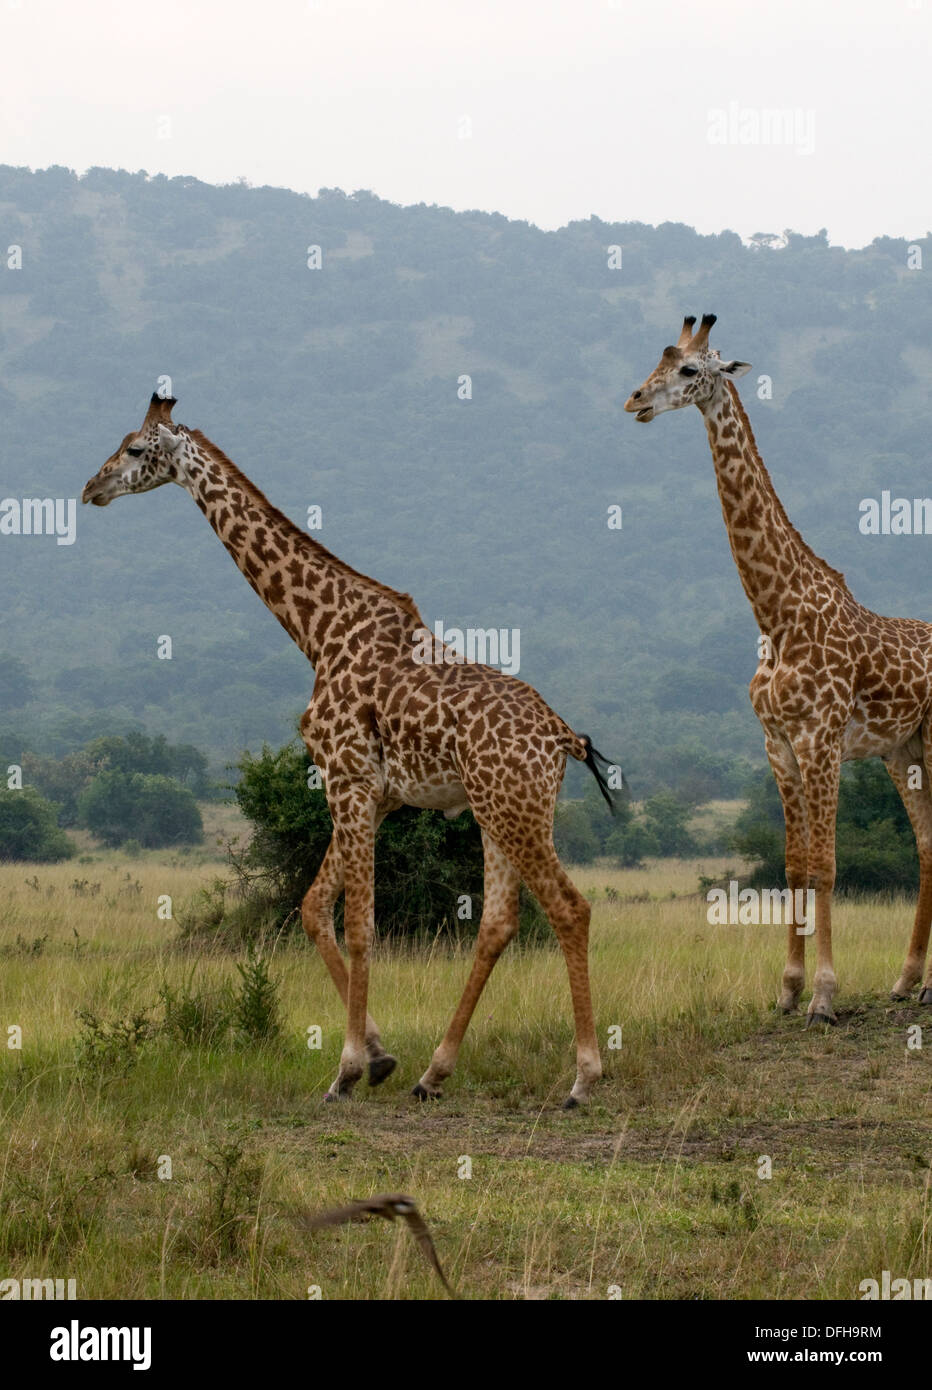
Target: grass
x=153 y=1147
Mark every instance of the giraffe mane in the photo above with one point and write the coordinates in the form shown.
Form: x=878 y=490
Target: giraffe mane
x=404 y=601
x=823 y=565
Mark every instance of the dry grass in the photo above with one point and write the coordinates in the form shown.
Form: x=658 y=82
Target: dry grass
x=655 y=1189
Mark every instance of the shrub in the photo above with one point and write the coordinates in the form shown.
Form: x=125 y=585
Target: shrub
x=61 y=780
x=666 y=817
x=153 y=756
x=195 y=1017
x=111 y=1044
x=255 y=1009
x=573 y=835
x=154 y=810
x=631 y=844
x=29 y=828
x=425 y=866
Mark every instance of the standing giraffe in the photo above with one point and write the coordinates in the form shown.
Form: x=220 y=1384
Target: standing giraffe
x=835 y=680
x=388 y=726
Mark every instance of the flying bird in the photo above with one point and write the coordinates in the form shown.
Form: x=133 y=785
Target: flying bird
x=389 y=1206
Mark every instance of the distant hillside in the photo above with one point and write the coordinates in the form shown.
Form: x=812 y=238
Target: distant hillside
x=338 y=387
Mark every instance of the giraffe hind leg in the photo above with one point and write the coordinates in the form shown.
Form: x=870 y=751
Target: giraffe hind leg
x=915 y=794
x=498 y=925
x=525 y=837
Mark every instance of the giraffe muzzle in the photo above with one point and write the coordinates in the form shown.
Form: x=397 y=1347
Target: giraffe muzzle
x=636 y=406
x=93 y=493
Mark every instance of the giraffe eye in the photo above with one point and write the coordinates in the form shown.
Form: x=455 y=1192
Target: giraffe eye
x=689 y=371
x=134 y=453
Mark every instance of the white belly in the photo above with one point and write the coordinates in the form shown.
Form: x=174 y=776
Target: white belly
x=865 y=737
x=448 y=797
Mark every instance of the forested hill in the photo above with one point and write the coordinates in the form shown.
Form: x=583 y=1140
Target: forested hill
x=340 y=387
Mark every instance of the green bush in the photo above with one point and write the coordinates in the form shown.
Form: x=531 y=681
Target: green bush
x=60 y=780
x=152 y=810
x=29 y=828
x=665 y=818
x=111 y=1044
x=425 y=865
x=195 y=1016
x=256 y=1006
x=152 y=755
x=875 y=850
x=574 y=837
x=583 y=830
x=631 y=843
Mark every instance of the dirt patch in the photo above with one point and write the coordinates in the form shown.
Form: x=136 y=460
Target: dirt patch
x=816 y=1075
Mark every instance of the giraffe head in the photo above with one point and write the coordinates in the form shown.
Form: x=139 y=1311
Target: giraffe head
x=689 y=374
x=147 y=458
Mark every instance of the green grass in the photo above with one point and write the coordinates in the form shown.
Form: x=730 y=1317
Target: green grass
x=654 y=1189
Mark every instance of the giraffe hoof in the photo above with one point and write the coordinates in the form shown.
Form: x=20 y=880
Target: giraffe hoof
x=925 y=996
x=380 y=1067
x=422 y=1093
x=821 y=1018
x=571 y=1103
x=900 y=998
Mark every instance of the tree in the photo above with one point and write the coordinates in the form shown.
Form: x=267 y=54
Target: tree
x=573 y=836
x=154 y=810
x=665 y=818
x=60 y=780
x=17 y=687
x=140 y=752
x=631 y=843
x=29 y=828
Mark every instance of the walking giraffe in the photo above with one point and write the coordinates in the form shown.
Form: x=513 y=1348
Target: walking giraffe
x=835 y=681
x=395 y=719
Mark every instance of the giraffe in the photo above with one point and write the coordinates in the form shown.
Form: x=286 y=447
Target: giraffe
x=834 y=682
x=394 y=719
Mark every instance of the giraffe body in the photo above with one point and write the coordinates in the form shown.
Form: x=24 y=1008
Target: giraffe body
x=393 y=720
x=834 y=682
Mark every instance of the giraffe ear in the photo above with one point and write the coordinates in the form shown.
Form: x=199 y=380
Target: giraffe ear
x=168 y=440
x=736 y=368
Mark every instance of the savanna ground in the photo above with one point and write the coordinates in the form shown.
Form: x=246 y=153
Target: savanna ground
x=654 y=1190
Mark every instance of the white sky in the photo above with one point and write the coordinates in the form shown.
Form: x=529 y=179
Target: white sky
x=576 y=106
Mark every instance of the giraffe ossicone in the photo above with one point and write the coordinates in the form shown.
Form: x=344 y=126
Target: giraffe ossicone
x=386 y=730
x=834 y=680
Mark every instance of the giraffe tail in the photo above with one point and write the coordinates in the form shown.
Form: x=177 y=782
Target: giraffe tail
x=595 y=762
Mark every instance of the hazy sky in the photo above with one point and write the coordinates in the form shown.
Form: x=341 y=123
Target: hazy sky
x=645 y=111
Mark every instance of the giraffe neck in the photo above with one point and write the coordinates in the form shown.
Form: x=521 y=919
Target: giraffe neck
x=775 y=565
x=306 y=586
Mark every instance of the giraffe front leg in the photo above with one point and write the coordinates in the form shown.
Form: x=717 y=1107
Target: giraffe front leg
x=820 y=767
x=317 y=920
x=354 y=828
x=790 y=786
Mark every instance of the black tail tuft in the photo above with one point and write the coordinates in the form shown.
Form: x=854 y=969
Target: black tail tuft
x=593 y=760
